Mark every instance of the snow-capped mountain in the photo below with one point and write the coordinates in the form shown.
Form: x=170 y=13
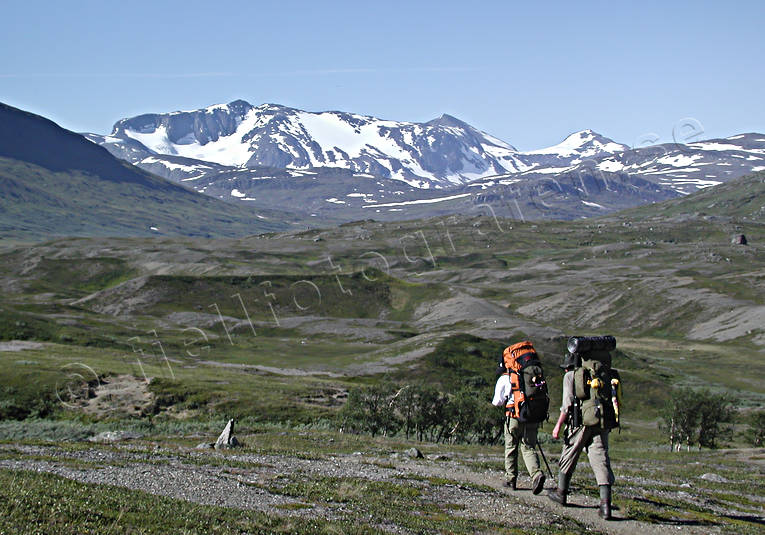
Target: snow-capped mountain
x=687 y=168
x=573 y=150
x=341 y=165
x=683 y=168
x=444 y=152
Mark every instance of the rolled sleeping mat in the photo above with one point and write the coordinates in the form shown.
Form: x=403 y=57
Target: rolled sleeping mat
x=585 y=344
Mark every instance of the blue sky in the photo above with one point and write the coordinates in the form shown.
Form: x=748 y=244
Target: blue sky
x=527 y=74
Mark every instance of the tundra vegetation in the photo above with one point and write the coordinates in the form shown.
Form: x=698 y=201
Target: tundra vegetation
x=337 y=350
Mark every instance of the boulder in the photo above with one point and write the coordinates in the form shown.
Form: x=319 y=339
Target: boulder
x=414 y=453
x=227 y=438
x=739 y=239
x=715 y=478
x=204 y=446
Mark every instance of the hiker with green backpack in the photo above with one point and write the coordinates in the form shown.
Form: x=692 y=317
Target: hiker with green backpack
x=522 y=390
x=590 y=409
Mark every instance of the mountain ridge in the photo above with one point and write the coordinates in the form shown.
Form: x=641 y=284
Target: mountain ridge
x=443 y=152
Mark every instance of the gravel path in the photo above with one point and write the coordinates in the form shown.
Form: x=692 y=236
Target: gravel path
x=242 y=481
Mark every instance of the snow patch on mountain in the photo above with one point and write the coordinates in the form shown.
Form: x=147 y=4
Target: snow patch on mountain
x=420 y=201
x=582 y=144
x=226 y=150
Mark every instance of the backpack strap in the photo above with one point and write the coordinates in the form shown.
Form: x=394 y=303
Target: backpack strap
x=516 y=395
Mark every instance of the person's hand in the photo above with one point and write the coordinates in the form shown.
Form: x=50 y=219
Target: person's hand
x=556 y=432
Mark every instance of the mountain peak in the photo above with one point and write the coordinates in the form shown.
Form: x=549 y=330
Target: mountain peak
x=237 y=107
x=448 y=120
x=239 y=102
x=584 y=135
x=584 y=143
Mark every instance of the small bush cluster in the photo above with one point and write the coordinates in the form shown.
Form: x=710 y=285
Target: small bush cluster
x=19 y=403
x=698 y=418
x=422 y=411
x=175 y=393
x=755 y=433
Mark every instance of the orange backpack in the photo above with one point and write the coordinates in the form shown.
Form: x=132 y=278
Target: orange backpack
x=529 y=400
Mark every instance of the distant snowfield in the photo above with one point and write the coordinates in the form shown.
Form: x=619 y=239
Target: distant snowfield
x=419 y=201
x=714 y=146
x=173 y=166
x=331 y=132
x=227 y=150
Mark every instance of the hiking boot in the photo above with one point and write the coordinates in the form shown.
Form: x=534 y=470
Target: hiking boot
x=538 y=483
x=557 y=496
x=604 y=511
x=510 y=484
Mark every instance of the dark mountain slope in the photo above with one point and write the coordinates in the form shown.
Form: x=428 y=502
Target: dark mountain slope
x=36 y=140
x=54 y=182
x=741 y=198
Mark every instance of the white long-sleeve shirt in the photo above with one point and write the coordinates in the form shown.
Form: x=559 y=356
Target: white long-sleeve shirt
x=502 y=391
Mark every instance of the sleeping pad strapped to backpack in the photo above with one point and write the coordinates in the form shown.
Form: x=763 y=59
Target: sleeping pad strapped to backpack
x=596 y=384
x=529 y=400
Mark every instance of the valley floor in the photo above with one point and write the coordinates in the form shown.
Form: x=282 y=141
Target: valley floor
x=169 y=338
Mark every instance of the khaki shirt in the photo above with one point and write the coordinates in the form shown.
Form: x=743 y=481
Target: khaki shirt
x=568 y=391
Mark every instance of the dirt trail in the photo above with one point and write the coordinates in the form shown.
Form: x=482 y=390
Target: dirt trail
x=187 y=475
x=580 y=508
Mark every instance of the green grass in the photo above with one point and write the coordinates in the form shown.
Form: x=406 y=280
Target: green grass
x=386 y=503
x=44 y=503
x=78 y=277
x=355 y=295
x=457 y=361
x=740 y=198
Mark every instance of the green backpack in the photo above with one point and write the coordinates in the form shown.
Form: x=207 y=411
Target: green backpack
x=598 y=385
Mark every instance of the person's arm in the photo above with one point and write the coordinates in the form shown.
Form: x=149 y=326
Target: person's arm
x=500 y=392
x=568 y=399
x=558 y=424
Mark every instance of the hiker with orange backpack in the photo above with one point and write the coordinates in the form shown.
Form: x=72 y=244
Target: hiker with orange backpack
x=522 y=390
x=590 y=409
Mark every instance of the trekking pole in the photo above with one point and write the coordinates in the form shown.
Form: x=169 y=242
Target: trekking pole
x=545 y=460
